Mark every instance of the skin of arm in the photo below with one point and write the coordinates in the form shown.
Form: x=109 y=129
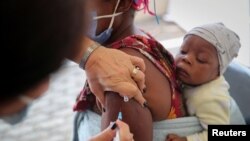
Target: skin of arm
x=139 y=119
x=110 y=69
x=77 y=55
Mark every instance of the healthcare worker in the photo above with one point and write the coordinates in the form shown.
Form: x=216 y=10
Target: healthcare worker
x=37 y=36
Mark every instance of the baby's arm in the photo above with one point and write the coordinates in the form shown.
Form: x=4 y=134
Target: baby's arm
x=202 y=136
x=174 y=137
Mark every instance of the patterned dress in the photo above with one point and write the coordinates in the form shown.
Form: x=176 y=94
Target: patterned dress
x=162 y=60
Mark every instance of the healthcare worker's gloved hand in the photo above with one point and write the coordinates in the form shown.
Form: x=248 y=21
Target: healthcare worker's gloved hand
x=113 y=70
x=109 y=133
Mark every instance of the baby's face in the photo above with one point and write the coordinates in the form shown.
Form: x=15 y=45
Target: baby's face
x=197 y=61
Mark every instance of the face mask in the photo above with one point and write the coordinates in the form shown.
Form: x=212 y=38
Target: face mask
x=18 y=117
x=106 y=34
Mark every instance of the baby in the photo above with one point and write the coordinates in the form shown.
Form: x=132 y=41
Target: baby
x=203 y=58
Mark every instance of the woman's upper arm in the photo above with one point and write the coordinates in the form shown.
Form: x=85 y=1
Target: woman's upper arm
x=138 y=118
x=158 y=92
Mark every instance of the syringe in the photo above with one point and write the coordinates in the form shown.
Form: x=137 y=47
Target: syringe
x=117 y=136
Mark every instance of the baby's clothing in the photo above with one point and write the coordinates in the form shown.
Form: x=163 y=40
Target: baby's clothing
x=212 y=104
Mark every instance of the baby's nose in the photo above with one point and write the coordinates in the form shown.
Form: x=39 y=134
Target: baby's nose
x=187 y=59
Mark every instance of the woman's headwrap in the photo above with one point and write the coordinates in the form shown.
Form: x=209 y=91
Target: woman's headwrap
x=226 y=42
x=144 y=4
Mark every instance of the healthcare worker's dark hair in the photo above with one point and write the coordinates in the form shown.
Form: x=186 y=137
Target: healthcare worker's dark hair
x=36 y=36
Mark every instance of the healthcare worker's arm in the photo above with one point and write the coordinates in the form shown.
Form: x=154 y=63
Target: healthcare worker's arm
x=112 y=70
x=109 y=133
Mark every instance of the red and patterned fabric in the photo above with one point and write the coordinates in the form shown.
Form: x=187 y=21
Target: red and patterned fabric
x=142 y=5
x=162 y=60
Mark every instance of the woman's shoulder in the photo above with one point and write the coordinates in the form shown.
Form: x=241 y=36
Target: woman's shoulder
x=146 y=44
x=159 y=63
x=153 y=50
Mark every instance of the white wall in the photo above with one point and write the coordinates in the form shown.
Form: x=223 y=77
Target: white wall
x=235 y=14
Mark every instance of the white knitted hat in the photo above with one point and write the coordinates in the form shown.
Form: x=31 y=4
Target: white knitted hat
x=226 y=42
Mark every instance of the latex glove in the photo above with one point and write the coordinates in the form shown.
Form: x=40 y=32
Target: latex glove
x=109 y=133
x=112 y=70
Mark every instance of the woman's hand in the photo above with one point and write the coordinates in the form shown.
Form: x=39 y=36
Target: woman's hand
x=124 y=131
x=174 y=137
x=113 y=70
x=109 y=133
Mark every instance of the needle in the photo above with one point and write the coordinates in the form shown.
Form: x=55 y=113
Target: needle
x=120 y=115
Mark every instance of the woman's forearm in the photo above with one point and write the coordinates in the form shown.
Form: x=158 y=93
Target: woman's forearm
x=138 y=118
x=77 y=55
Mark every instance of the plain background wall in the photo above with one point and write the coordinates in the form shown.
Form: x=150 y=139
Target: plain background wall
x=235 y=14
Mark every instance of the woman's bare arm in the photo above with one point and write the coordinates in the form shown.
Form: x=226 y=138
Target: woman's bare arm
x=158 y=96
x=138 y=118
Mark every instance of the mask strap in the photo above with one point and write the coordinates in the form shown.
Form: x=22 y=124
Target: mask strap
x=113 y=18
x=26 y=99
x=107 y=16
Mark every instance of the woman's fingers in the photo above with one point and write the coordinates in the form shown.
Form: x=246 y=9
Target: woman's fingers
x=97 y=90
x=139 y=77
x=114 y=70
x=124 y=131
x=136 y=61
x=138 y=71
x=171 y=137
x=110 y=132
x=132 y=92
x=106 y=135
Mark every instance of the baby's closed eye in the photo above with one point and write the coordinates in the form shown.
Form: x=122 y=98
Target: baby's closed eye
x=202 y=58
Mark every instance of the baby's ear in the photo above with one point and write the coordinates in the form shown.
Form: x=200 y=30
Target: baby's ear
x=125 y=5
